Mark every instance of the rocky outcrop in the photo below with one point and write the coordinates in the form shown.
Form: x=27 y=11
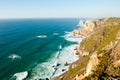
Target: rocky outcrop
x=81 y=23
x=91 y=66
x=65 y=64
x=76 y=32
x=90 y=26
x=87 y=27
x=99 y=52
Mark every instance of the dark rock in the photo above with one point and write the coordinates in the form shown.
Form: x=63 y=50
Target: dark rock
x=53 y=66
x=46 y=79
x=63 y=70
x=65 y=64
x=77 y=53
x=75 y=48
x=57 y=64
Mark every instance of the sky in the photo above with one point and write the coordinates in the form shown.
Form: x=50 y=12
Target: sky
x=59 y=8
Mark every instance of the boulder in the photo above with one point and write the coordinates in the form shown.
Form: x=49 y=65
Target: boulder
x=65 y=64
x=63 y=70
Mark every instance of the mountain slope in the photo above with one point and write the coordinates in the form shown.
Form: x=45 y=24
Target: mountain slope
x=99 y=52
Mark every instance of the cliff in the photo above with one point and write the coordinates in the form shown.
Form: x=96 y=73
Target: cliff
x=99 y=52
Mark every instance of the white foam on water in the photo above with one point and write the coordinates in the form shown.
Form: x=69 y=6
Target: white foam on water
x=21 y=75
x=14 y=56
x=66 y=55
x=55 y=33
x=56 y=65
x=67 y=32
x=42 y=71
x=60 y=47
x=72 y=38
x=41 y=36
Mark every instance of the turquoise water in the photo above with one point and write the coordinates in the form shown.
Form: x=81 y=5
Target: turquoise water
x=19 y=37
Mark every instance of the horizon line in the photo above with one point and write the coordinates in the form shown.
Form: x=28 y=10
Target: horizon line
x=55 y=17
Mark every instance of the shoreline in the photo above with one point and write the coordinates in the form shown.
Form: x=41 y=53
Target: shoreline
x=67 y=63
x=57 y=65
x=97 y=50
x=60 y=62
x=74 y=49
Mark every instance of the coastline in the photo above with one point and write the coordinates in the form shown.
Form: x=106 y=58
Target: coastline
x=60 y=61
x=48 y=47
x=73 y=37
x=99 y=51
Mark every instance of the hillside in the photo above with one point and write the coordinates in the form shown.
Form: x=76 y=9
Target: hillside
x=99 y=52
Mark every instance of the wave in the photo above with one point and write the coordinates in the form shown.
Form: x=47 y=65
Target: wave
x=20 y=75
x=14 y=56
x=55 y=66
x=70 y=37
x=66 y=55
x=60 y=47
x=66 y=32
x=55 y=33
x=42 y=71
x=41 y=36
x=59 y=51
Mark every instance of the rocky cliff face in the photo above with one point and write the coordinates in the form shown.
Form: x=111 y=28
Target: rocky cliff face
x=99 y=52
x=88 y=27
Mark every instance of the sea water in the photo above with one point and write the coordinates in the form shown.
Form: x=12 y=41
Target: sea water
x=36 y=48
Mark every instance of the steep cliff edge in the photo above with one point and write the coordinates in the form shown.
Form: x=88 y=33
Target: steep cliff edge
x=99 y=52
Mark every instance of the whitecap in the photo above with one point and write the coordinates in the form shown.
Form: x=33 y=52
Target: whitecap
x=68 y=54
x=55 y=33
x=54 y=66
x=42 y=71
x=72 y=38
x=20 y=75
x=14 y=56
x=66 y=32
x=60 y=47
x=41 y=36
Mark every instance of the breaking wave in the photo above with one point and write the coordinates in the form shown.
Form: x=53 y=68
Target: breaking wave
x=55 y=33
x=20 y=75
x=14 y=56
x=56 y=64
x=41 y=36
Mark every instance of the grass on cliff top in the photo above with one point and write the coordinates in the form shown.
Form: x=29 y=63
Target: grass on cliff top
x=100 y=38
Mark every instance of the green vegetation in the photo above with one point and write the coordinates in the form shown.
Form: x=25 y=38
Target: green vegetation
x=101 y=52
x=101 y=71
x=111 y=36
x=117 y=69
x=80 y=68
x=100 y=38
x=96 y=42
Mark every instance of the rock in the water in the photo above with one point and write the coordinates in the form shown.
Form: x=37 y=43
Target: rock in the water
x=65 y=64
x=63 y=70
x=46 y=79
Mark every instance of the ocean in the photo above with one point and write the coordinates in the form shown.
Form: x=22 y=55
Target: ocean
x=37 y=48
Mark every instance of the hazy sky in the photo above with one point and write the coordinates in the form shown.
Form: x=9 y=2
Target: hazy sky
x=59 y=8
